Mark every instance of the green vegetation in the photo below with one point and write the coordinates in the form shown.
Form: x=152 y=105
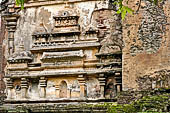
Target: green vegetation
x=153 y=104
x=20 y=2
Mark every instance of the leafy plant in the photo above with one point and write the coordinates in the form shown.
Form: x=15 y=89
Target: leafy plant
x=20 y=2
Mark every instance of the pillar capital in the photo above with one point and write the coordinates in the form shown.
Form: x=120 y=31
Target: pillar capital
x=43 y=82
x=9 y=83
x=24 y=83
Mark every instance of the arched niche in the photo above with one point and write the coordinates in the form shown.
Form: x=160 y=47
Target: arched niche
x=63 y=90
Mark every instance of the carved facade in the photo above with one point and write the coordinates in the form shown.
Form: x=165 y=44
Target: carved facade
x=81 y=51
x=63 y=50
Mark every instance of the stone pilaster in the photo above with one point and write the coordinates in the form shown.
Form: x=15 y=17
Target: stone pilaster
x=43 y=84
x=68 y=93
x=57 y=91
x=81 y=80
x=102 y=84
x=9 y=86
x=11 y=23
x=24 y=87
x=118 y=88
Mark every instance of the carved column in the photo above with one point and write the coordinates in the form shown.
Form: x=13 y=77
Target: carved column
x=11 y=23
x=68 y=93
x=10 y=42
x=57 y=91
x=102 y=84
x=81 y=80
x=9 y=86
x=43 y=84
x=24 y=87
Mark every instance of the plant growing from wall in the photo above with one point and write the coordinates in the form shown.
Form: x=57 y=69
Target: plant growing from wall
x=20 y=2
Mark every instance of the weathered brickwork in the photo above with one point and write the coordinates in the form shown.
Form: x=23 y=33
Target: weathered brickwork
x=151 y=30
x=146 y=40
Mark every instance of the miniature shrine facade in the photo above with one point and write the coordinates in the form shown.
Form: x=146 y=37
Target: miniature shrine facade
x=68 y=55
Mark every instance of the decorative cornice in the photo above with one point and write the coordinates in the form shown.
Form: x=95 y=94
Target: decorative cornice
x=67 y=73
x=62 y=55
x=55 y=46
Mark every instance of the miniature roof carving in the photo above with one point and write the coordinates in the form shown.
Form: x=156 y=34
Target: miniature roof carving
x=21 y=56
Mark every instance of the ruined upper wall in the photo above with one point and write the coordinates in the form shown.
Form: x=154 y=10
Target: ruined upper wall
x=146 y=46
x=39 y=18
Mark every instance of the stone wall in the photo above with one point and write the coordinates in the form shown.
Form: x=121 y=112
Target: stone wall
x=146 y=44
x=142 y=37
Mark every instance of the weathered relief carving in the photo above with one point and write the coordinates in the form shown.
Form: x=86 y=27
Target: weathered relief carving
x=75 y=86
x=33 y=89
x=93 y=88
x=50 y=89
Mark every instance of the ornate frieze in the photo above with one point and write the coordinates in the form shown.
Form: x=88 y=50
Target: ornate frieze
x=61 y=46
x=66 y=21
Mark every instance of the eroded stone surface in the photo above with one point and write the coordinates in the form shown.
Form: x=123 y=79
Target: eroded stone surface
x=146 y=51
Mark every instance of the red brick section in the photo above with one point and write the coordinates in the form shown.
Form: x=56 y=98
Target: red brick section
x=2 y=58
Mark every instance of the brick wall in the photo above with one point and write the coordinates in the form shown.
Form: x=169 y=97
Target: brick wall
x=2 y=59
x=146 y=40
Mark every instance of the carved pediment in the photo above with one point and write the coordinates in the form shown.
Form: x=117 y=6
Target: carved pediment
x=66 y=21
